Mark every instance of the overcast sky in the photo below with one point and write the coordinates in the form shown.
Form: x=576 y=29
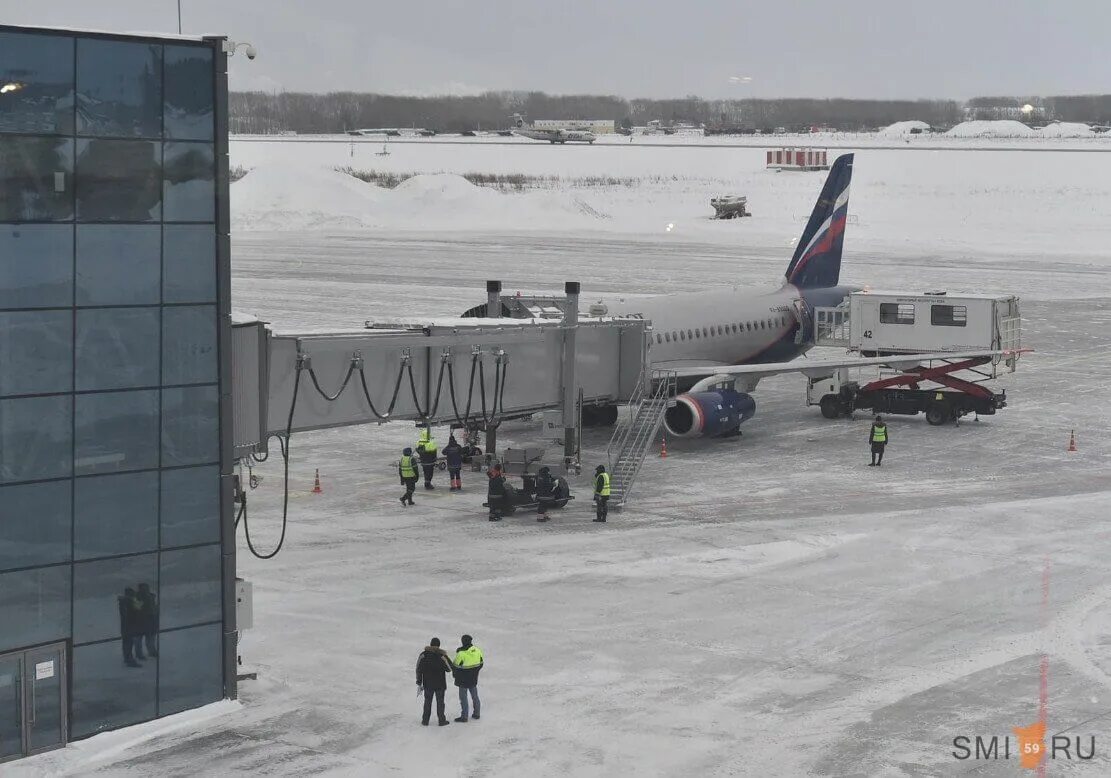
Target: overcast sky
x=637 y=48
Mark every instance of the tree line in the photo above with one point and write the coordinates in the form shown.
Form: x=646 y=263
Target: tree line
x=265 y=113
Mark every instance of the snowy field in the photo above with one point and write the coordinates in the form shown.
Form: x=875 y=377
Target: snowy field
x=766 y=606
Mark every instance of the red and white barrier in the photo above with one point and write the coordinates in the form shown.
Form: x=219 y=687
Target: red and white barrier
x=798 y=159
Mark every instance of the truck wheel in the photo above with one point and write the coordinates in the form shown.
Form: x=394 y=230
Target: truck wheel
x=831 y=406
x=938 y=412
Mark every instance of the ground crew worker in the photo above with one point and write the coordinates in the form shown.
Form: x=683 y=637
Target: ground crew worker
x=433 y=666
x=453 y=453
x=545 y=492
x=427 y=451
x=878 y=437
x=407 y=470
x=495 y=492
x=468 y=661
x=601 y=492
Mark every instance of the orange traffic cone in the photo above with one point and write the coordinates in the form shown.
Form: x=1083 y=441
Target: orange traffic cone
x=663 y=448
x=1072 y=440
x=316 y=484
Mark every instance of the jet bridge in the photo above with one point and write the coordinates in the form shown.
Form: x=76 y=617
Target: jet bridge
x=471 y=372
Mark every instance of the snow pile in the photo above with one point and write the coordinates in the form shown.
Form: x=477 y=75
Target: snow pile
x=285 y=197
x=1003 y=128
x=301 y=197
x=903 y=129
x=1066 y=130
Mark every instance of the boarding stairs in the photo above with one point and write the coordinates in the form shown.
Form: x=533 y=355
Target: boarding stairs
x=634 y=434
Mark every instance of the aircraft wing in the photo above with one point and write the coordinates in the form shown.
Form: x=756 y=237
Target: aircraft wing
x=819 y=368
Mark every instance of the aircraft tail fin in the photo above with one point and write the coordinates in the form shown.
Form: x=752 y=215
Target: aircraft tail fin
x=817 y=258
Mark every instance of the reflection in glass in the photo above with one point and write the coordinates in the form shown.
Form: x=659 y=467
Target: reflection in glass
x=40 y=70
x=36 y=265
x=115 y=514
x=34 y=524
x=189 y=263
x=116 y=432
x=102 y=608
x=117 y=348
x=36 y=438
x=190 y=182
x=189 y=92
x=190 y=670
x=190 y=422
x=34 y=606
x=117 y=265
x=107 y=693
x=190 y=585
x=36 y=352
x=190 y=506
x=189 y=344
x=119 y=88
x=36 y=179
x=119 y=181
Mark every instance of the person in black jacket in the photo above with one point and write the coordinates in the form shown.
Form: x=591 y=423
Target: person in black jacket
x=148 y=622
x=545 y=492
x=495 y=493
x=130 y=632
x=453 y=453
x=433 y=665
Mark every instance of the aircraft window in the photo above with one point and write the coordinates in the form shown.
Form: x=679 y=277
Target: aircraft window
x=667 y=337
x=690 y=335
x=763 y=324
x=949 y=315
x=705 y=332
x=734 y=326
x=682 y=336
x=721 y=330
x=896 y=313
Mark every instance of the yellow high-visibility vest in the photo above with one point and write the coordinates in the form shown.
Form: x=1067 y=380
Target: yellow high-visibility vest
x=408 y=467
x=469 y=657
x=879 y=434
x=605 y=490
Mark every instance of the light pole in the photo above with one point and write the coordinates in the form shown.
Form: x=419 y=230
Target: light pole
x=179 y=17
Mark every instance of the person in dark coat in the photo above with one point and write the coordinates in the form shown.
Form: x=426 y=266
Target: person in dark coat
x=495 y=493
x=148 y=622
x=453 y=453
x=129 y=625
x=878 y=437
x=433 y=665
x=545 y=492
x=407 y=470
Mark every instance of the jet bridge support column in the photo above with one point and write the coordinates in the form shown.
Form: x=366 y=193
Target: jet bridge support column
x=493 y=311
x=570 y=378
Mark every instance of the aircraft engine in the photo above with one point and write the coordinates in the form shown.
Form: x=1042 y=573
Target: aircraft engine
x=709 y=414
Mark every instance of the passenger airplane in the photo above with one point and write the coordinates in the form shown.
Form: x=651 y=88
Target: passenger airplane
x=722 y=342
x=520 y=127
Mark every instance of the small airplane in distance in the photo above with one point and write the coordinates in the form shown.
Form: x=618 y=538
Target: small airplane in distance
x=554 y=135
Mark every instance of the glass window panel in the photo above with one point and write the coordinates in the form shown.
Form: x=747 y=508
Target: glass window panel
x=116 y=432
x=115 y=514
x=34 y=524
x=36 y=179
x=190 y=426
x=106 y=600
x=36 y=352
x=190 y=182
x=36 y=438
x=118 y=265
x=117 y=348
x=189 y=345
x=119 y=88
x=190 y=586
x=36 y=265
x=34 y=606
x=189 y=263
x=38 y=71
x=189 y=92
x=119 y=181
x=190 y=668
x=190 y=506
x=107 y=693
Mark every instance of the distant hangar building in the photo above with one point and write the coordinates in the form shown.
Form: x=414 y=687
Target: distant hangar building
x=596 y=126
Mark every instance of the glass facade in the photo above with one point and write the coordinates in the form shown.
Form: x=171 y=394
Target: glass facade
x=112 y=454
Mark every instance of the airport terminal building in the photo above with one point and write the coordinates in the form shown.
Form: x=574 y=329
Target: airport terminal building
x=117 y=563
